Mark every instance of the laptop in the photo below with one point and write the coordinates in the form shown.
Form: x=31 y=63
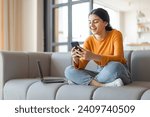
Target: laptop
x=48 y=79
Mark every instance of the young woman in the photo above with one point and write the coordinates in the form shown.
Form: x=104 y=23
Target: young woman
x=105 y=47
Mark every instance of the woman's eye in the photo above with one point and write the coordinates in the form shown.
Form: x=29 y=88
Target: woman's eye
x=95 y=21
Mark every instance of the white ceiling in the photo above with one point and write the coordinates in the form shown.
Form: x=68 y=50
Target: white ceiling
x=125 y=5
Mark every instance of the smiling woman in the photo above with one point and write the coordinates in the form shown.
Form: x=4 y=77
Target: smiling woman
x=105 y=47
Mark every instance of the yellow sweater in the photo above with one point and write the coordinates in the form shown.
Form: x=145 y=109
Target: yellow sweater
x=110 y=49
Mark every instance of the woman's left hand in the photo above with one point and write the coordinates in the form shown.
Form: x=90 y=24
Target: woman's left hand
x=87 y=55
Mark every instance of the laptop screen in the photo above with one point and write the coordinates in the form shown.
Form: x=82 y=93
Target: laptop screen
x=39 y=69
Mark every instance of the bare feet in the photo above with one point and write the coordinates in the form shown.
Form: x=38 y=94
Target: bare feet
x=95 y=83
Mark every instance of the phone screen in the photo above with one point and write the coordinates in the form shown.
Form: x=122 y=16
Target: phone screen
x=75 y=44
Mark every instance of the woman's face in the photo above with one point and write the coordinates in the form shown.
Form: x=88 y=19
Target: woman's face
x=96 y=24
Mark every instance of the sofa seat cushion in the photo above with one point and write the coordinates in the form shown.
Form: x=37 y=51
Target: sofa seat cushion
x=43 y=91
x=34 y=89
x=146 y=95
x=145 y=84
x=16 y=89
x=75 y=92
x=119 y=93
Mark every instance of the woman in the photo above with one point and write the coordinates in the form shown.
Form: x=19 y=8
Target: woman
x=105 y=47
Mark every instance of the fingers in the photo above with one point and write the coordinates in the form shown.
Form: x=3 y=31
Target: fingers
x=81 y=53
x=81 y=49
x=74 y=53
x=78 y=52
x=73 y=49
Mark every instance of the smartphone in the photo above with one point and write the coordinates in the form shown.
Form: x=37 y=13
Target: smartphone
x=75 y=44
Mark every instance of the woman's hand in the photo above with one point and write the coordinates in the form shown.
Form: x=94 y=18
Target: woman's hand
x=75 y=55
x=87 y=55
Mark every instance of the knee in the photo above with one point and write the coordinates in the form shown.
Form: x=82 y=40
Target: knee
x=115 y=66
x=69 y=71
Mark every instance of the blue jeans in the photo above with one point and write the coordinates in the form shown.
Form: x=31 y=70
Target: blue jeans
x=106 y=74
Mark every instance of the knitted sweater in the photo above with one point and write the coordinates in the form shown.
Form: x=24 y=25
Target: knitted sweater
x=110 y=49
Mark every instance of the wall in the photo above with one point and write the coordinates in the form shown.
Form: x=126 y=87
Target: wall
x=130 y=27
x=145 y=37
x=121 y=22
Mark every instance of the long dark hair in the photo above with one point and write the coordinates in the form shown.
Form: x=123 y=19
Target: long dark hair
x=103 y=14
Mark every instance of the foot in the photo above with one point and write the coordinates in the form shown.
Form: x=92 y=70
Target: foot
x=116 y=83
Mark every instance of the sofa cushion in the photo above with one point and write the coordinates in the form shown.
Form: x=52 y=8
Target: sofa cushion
x=118 y=93
x=44 y=59
x=13 y=65
x=59 y=61
x=140 y=83
x=140 y=62
x=43 y=91
x=17 y=89
x=91 y=66
x=146 y=95
x=75 y=92
x=127 y=55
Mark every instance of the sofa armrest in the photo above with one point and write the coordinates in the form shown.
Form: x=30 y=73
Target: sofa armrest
x=12 y=65
x=18 y=65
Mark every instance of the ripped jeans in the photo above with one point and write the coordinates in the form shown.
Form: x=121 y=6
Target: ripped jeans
x=106 y=74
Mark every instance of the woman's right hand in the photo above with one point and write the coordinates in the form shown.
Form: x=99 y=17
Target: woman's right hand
x=74 y=55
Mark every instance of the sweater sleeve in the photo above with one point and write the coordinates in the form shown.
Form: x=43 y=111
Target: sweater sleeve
x=82 y=64
x=105 y=59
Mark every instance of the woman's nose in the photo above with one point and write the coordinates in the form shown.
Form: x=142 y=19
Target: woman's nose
x=92 y=24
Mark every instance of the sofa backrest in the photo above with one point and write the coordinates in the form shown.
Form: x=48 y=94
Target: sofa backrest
x=54 y=64
x=59 y=61
x=140 y=65
x=44 y=59
x=127 y=55
x=23 y=64
x=13 y=65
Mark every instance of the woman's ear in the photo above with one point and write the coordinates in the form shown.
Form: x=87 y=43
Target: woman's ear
x=106 y=24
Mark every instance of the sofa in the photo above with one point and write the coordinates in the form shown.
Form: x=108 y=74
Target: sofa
x=19 y=78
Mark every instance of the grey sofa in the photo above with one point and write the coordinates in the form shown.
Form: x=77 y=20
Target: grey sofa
x=19 y=78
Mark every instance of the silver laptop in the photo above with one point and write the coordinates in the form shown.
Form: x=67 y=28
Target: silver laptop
x=48 y=79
